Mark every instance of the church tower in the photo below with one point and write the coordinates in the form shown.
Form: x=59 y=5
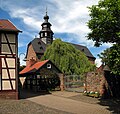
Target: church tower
x=46 y=34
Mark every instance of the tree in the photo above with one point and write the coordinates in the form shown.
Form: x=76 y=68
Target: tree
x=104 y=56
x=105 y=22
x=105 y=28
x=67 y=58
x=111 y=57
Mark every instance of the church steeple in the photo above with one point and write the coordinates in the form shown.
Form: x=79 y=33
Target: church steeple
x=46 y=34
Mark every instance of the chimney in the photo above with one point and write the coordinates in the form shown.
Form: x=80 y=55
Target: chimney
x=32 y=61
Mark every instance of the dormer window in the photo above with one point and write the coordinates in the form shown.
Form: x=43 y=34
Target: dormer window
x=41 y=47
x=82 y=50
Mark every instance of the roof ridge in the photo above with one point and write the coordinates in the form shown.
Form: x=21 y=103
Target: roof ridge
x=13 y=24
x=78 y=44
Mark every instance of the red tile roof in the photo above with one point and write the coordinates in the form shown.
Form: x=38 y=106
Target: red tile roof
x=6 y=25
x=36 y=66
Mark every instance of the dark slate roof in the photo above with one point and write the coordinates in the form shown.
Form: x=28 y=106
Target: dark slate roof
x=83 y=49
x=38 y=45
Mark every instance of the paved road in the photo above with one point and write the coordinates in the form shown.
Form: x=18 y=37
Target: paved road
x=69 y=105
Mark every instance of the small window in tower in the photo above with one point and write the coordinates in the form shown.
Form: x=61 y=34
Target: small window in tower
x=45 y=25
x=48 y=34
x=49 y=66
x=41 y=34
x=45 y=33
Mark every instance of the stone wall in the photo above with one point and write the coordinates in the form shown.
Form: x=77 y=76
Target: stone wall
x=95 y=81
x=9 y=95
x=31 y=54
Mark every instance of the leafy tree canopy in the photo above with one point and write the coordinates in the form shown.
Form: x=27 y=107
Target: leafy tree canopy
x=67 y=58
x=21 y=67
x=111 y=57
x=105 y=22
x=105 y=27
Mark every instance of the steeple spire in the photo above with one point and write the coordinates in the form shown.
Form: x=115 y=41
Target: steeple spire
x=46 y=34
x=46 y=17
x=46 y=10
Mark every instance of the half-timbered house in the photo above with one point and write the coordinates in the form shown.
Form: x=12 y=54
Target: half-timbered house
x=8 y=59
x=42 y=75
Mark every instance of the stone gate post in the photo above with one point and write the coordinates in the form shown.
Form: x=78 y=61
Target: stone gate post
x=61 y=76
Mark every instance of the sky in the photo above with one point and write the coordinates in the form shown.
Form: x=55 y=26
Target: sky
x=68 y=18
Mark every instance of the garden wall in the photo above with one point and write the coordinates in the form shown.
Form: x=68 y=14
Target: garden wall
x=96 y=82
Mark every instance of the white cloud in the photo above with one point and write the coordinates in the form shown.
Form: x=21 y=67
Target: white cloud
x=66 y=16
x=22 y=57
x=28 y=19
x=98 y=62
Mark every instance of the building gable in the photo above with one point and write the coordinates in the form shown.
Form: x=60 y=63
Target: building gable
x=30 y=53
x=35 y=49
x=37 y=66
x=6 y=25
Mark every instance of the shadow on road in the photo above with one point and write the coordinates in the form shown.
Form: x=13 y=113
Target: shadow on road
x=113 y=105
x=24 y=93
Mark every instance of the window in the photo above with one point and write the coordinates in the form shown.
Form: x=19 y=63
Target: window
x=49 y=66
x=82 y=50
x=45 y=25
x=45 y=33
x=38 y=76
x=41 y=34
x=41 y=48
x=39 y=43
x=38 y=56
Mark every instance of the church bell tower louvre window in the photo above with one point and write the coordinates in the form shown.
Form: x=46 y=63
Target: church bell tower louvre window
x=45 y=33
x=45 y=26
x=41 y=34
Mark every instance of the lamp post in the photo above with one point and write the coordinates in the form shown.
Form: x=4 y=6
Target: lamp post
x=20 y=84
